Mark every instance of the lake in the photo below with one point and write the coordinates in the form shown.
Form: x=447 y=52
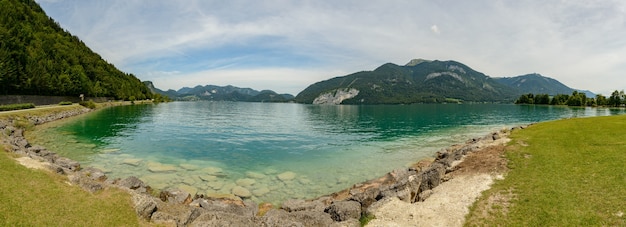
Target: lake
x=277 y=151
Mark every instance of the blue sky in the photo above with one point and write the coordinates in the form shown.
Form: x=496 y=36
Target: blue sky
x=287 y=45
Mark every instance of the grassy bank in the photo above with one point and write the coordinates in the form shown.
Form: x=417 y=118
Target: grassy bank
x=563 y=173
x=38 y=198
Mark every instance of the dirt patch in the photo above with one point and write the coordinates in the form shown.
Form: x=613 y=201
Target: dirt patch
x=489 y=160
x=32 y=163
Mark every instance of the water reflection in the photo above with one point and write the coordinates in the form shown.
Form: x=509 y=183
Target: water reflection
x=111 y=122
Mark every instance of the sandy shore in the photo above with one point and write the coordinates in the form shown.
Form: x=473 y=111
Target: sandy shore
x=450 y=201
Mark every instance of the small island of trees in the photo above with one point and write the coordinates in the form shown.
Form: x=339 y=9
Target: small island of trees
x=616 y=99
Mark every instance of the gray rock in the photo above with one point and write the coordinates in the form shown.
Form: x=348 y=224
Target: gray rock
x=365 y=196
x=175 y=196
x=277 y=217
x=293 y=205
x=36 y=149
x=94 y=174
x=131 y=182
x=432 y=176
x=162 y=218
x=176 y=215
x=424 y=195
x=312 y=218
x=144 y=205
x=67 y=163
x=219 y=219
x=344 y=210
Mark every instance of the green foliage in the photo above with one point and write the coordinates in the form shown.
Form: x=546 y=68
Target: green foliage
x=20 y=106
x=89 y=104
x=601 y=100
x=526 y=99
x=366 y=218
x=38 y=57
x=158 y=98
x=65 y=103
x=562 y=173
x=576 y=99
x=23 y=123
x=615 y=99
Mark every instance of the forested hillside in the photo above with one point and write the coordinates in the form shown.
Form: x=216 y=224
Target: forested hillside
x=38 y=57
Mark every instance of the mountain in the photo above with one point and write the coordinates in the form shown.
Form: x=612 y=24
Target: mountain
x=38 y=57
x=537 y=84
x=224 y=93
x=419 y=81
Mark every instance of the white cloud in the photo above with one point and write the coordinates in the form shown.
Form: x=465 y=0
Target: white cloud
x=435 y=29
x=579 y=43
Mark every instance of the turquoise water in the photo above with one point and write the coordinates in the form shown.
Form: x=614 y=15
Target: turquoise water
x=276 y=151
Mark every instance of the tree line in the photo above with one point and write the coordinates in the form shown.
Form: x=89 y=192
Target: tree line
x=617 y=98
x=38 y=57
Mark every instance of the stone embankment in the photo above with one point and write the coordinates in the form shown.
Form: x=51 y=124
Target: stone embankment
x=179 y=208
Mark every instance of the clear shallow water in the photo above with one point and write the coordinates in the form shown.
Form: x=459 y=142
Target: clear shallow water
x=276 y=151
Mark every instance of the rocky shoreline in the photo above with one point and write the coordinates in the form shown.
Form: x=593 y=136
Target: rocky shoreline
x=176 y=207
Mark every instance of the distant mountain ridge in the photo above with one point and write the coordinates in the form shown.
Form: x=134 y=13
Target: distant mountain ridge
x=419 y=81
x=222 y=93
x=425 y=81
x=537 y=84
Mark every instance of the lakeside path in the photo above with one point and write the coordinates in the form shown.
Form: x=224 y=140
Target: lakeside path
x=450 y=201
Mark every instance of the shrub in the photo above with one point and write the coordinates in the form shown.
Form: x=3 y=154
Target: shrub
x=89 y=104
x=20 y=106
x=65 y=103
x=23 y=124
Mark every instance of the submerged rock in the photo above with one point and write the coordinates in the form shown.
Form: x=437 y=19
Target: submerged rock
x=216 y=185
x=207 y=177
x=156 y=167
x=245 y=182
x=241 y=192
x=190 y=189
x=132 y=161
x=261 y=191
x=189 y=167
x=215 y=171
x=286 y=176
x=255 y=175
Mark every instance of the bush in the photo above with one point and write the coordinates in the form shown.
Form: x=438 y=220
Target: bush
x=65 y=103
x=20 y=106
x=89 y=104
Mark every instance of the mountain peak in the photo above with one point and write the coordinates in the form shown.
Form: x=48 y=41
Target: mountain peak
x=415 y=62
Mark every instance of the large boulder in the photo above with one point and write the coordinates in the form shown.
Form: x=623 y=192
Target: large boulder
x=145 y=205
x=175 y=196
x=344 y=210
x=131 y=182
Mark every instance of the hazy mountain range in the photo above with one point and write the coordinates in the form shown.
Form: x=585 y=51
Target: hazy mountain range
x=419 y=81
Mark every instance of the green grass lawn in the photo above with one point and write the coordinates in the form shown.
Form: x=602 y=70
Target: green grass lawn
x=38 y=198
x=562 y=173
